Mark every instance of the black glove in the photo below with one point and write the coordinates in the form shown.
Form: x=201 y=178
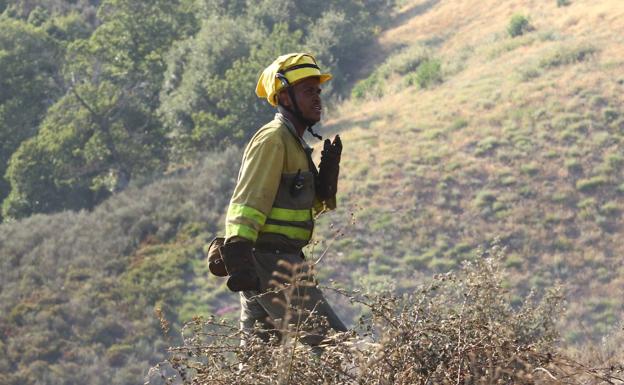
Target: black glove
x=239 y=263
x=329 y=169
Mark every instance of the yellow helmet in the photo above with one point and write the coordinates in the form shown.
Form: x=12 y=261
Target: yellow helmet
x=285 y=71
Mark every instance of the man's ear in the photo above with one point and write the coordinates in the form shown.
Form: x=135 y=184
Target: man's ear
x=283 y=98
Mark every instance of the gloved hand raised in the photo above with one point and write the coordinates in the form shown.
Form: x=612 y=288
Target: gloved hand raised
x=329 y=168
x=239 y=263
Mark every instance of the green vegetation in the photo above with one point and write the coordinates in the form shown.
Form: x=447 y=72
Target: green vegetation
x=568 y=55
x=414 y=63
x=518 y=25
x=371 y=87
x=427 y=74
x=487 y=145
x=485 y=199
x=116 y=140
x=92 y=281
x=574 y=166
x=109 y=101
x=531 y=168
x=29 y=65
x=98 y=100
x=591 y=184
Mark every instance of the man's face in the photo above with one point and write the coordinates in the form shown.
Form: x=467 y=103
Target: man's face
x=308 y=95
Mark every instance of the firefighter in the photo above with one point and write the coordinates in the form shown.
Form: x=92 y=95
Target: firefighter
x=278 y=194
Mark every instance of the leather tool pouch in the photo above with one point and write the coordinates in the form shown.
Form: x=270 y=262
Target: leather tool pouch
x=215 y=262
x=239 y=263
x=237 y=256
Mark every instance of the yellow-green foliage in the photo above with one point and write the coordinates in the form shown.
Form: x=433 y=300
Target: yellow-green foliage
x=518 y=25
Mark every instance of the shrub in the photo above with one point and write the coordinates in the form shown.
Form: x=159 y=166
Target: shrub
x=563 y=3
x=367 y=88
x=485 y=198
x=461 y=323
x=610 y=165
x=530 y=168
x=428 y=74
x=417 y=261
x=518 y=25
x=442 y=264
x=610 y=115
x=406 y=61
x=529 y=73
x=565 y=120
x=573 y=166
x=106 y=331
x=618 y=125
x=514 y=261
x=560 y=197
x=458 y=124
x=591 y=184
x=610 y=208
x=568 y=55
x=508 y=180
x=117 y=354
x=487 y=145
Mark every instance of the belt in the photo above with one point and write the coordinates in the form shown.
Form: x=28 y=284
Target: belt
x=278 y=249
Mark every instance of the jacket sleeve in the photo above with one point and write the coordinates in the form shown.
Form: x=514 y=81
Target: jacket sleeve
x=256 y=188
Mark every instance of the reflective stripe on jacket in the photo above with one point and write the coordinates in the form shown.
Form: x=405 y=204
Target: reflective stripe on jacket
x=274 y=201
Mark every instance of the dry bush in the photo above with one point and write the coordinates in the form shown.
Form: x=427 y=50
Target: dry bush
x=459 y=328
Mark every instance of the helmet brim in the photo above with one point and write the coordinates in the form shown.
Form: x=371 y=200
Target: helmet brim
x=303 y=73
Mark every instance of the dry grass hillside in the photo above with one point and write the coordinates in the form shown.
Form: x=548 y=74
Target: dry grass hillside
x=519 y=138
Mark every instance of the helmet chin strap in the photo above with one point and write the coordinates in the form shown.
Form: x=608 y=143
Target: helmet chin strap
x=296 y=111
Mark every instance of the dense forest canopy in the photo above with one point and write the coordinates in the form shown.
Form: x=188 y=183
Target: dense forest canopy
x=93 y=100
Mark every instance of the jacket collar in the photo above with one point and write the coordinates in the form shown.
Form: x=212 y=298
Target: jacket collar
x=291 y=128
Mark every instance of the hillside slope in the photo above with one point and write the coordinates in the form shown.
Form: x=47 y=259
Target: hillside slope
x=518 y=138
x=457 y=134
x=83 y=295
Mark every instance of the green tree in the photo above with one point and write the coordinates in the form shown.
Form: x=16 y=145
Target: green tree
x=23 y=9
x=67 y=28
x=208 y=98
x=518 y=25
x=90 y=144
x=38 y=16
x=238 y=110
x=104 y=131
x=28 y=85
x=129 y=54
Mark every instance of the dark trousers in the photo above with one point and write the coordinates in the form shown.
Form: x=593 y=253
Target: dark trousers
x=266 y=308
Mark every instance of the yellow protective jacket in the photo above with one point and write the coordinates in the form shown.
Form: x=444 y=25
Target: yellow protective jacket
x=274 y=202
